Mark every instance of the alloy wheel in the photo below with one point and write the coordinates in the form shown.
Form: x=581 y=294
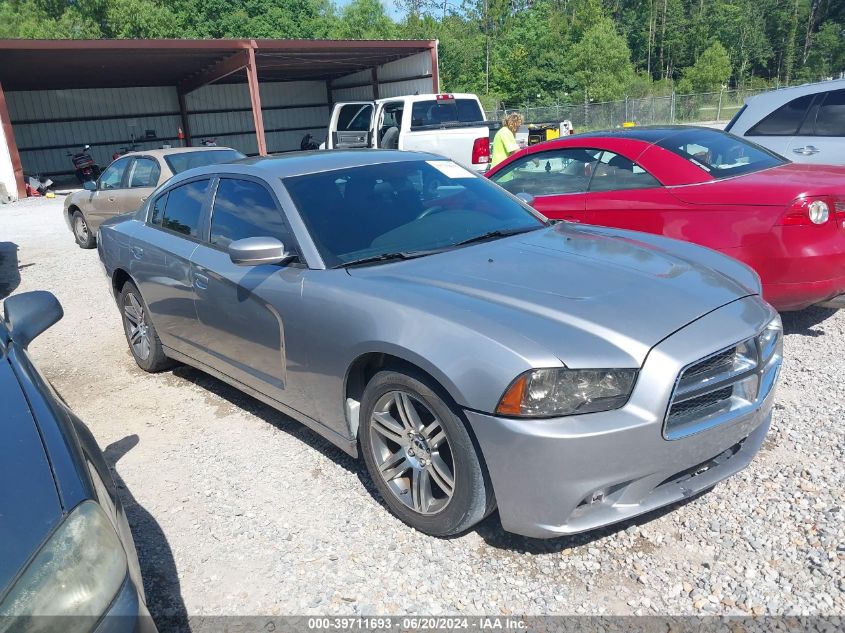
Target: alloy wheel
x=412 y=452
x=137 y=330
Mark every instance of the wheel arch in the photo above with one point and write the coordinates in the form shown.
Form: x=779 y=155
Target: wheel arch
x=71 y=210
x=366 y=364
x=118 y=279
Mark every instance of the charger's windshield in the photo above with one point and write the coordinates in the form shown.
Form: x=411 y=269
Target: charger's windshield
x=403 y=208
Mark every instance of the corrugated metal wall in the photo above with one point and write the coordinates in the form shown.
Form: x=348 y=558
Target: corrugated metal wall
x=393 y=80
x=50 y=123
x=291 y=110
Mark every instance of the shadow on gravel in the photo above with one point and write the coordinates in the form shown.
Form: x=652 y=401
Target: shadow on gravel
x=491 y=531
x=283 y=423
x=802 y=321
x=161 y=578
x=267 y=413
x=10 y=277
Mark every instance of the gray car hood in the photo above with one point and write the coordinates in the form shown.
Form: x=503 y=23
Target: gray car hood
x=581 y=293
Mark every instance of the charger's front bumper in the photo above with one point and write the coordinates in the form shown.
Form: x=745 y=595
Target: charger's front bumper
x=560 y=476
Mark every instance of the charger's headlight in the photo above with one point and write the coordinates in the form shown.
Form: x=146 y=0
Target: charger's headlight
x=550 y=392
x=76 y=574
x=770 y=339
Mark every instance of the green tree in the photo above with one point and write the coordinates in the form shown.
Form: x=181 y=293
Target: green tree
x=57 y=20
x=306 y=19
x=530 y=56
x=365 y=20
x=709 y=73
x=826 y=57
x=140 y=19
x=599 y=65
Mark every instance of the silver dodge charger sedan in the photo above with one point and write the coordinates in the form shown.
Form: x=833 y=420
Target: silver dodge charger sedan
x=475 y=355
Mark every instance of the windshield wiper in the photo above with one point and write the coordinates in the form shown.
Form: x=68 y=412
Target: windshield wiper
x=386 y=257
x=494 y=234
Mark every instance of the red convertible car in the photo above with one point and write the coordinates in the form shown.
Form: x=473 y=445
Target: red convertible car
x=785 y=220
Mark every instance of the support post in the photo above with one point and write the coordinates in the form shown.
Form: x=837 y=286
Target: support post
x=719 y=107
x=435 y=73
x=9 y=133
x=255 y=99
x=186 y=123
x=374 y=82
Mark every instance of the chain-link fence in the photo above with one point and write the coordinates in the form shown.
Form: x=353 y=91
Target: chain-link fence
x=710 y=107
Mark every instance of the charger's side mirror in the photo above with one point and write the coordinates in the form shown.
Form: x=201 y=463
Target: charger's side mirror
x=89 y=185
x=29 y=314
x=527 y=198
x=254 y=251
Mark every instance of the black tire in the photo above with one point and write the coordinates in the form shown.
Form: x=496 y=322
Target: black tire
x=81 y=231
x=472 y=494
x=154 y=360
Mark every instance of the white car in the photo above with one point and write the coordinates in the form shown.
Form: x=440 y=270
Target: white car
x=805 y=123
x=450 y=125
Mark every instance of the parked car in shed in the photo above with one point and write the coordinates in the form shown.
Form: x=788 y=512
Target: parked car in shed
x=785 y=220
x=805 y=123
x=127 y=182
x=475 y=355
x=66 y=550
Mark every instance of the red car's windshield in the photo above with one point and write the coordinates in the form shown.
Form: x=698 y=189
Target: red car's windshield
x=719 y=154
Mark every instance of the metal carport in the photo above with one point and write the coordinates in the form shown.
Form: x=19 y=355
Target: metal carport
x=258 y=96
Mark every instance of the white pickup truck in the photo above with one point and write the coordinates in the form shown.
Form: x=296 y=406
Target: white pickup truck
x=451 y=125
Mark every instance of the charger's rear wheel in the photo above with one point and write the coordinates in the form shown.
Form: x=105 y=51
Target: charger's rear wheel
x=140 y=332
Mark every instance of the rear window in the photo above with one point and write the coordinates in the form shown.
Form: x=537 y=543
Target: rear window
x=188 y=160
x=435 y=112
x=719 y=154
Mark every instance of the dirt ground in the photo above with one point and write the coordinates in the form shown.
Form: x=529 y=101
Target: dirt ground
x=237 y=509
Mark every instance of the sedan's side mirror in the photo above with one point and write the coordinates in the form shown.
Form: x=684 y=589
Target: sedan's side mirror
x=89 y=185
x=253 y=251
x=30 y=313
x=527 y=198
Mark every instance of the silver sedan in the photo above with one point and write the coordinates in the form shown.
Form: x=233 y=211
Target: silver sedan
x=473 y=354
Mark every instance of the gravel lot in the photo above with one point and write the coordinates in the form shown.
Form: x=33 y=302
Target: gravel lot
x=236 y=509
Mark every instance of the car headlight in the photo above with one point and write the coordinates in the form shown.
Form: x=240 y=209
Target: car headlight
x=770 y=339
x=556 y=392
x=77 y=573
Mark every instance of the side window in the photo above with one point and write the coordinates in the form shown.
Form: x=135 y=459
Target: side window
x=145 y=173
x=355 y=117
x=831 y=117
x=615 y=173
x=549 y=173
x=112 y=177
x=246 y=209
x=785 y=120
x=184 y=208
x=158 y=209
